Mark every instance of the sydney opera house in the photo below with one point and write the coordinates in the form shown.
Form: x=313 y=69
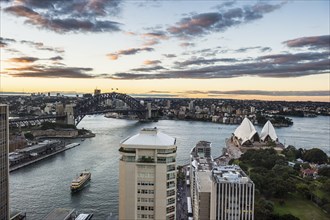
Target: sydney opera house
x=247 y=137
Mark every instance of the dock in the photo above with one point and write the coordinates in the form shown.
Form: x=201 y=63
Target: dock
x=67 y=147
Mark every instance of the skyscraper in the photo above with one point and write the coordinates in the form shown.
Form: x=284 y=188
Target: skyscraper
x=4 y=164
x=219 y=192
x=147 y=176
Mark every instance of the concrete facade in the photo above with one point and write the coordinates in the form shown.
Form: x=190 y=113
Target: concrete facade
x=221 y=192
x=147 y=176
x=4 y=164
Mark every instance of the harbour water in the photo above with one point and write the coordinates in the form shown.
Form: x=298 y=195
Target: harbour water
x=43 y=186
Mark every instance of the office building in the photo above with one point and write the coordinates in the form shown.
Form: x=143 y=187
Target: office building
x=201 y=181
x=221 y=192
x=4 y=164
x=147 y=176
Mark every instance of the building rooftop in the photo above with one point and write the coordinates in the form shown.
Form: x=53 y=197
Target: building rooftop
x=38 y=147
x=205 y=181
x=149 y=137
x=245 y=131
x=201 y=156
x=230 y=173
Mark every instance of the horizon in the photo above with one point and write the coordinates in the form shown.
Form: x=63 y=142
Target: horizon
x=245 y=50
x=155 y=96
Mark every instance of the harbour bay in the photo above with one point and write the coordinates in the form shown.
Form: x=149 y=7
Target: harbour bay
x=41 y=187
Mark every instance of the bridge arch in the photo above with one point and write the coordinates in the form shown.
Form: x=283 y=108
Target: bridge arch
x=89 y=106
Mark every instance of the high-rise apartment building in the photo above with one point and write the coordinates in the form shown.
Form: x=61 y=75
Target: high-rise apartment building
x=4 y=164
x=147 y=176
x=217 y=191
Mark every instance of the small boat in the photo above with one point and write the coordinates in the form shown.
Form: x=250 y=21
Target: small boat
x=79 y=183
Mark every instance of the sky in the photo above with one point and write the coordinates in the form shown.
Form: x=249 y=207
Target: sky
x=267 y=50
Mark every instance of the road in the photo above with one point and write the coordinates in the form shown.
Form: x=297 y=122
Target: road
x=183 y=191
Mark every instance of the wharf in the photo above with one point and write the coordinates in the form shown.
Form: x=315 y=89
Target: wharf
x=61 y=214
x=67 y=147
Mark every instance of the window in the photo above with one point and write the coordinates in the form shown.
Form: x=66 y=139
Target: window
x=145 y=191
x=170 y=201
x=142 y=183
x=161 y=159
x=170 y=217
x=170 y=209
x=170 y=167
x=171 y=192
x=170 y=184
x=170 y=176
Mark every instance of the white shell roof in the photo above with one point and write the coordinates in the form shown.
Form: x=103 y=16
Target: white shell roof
x=149 y=137
x=268 y=130
x=245 y=131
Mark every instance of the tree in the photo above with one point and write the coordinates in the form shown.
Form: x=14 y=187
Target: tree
x=324 y=171
x=297 y=166
x=303 y=189
x=288 y=217
x=305 y=166
x=29 y=136
x=315 y=155
x=326 y=186
x=291 y=153
x=263 y=209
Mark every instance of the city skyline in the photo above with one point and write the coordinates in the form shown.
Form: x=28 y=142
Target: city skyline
x=274 y=50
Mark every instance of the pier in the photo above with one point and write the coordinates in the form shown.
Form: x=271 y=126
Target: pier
x=67 y=147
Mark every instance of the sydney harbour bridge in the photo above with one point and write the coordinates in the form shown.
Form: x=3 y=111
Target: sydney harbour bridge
x=74 y=113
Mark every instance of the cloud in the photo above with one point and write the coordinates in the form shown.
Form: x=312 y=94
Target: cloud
x=152 y=38
x=314 y=42
x=151 y=62
x=294 y=58
x=277 y=66
x=187 y=44
x=130 y=51
x=204 y=23
x=156 y=91
x=154 y=95
x=246 y=49
x=67 y=16
x=26 y=59
x=41 y=46
x=50 y=72
x=56 y=58
x=264 y=93
x=203 y=61
x=169 y=55
x=148 y=69
x=23 y=59
x=226 y=4
x=4 y=41
x=2 y=44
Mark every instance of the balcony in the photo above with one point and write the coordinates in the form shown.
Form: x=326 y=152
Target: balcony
x=145 y=159
x=124 y=150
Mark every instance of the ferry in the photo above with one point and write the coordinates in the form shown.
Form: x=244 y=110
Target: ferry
x=79 y=183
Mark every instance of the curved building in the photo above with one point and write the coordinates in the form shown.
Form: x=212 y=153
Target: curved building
x=147 y=176
x=268 y=132
x=246 y=133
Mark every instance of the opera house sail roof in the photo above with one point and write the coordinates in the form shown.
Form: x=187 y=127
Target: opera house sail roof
x=268 y=131
x=245 y=131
